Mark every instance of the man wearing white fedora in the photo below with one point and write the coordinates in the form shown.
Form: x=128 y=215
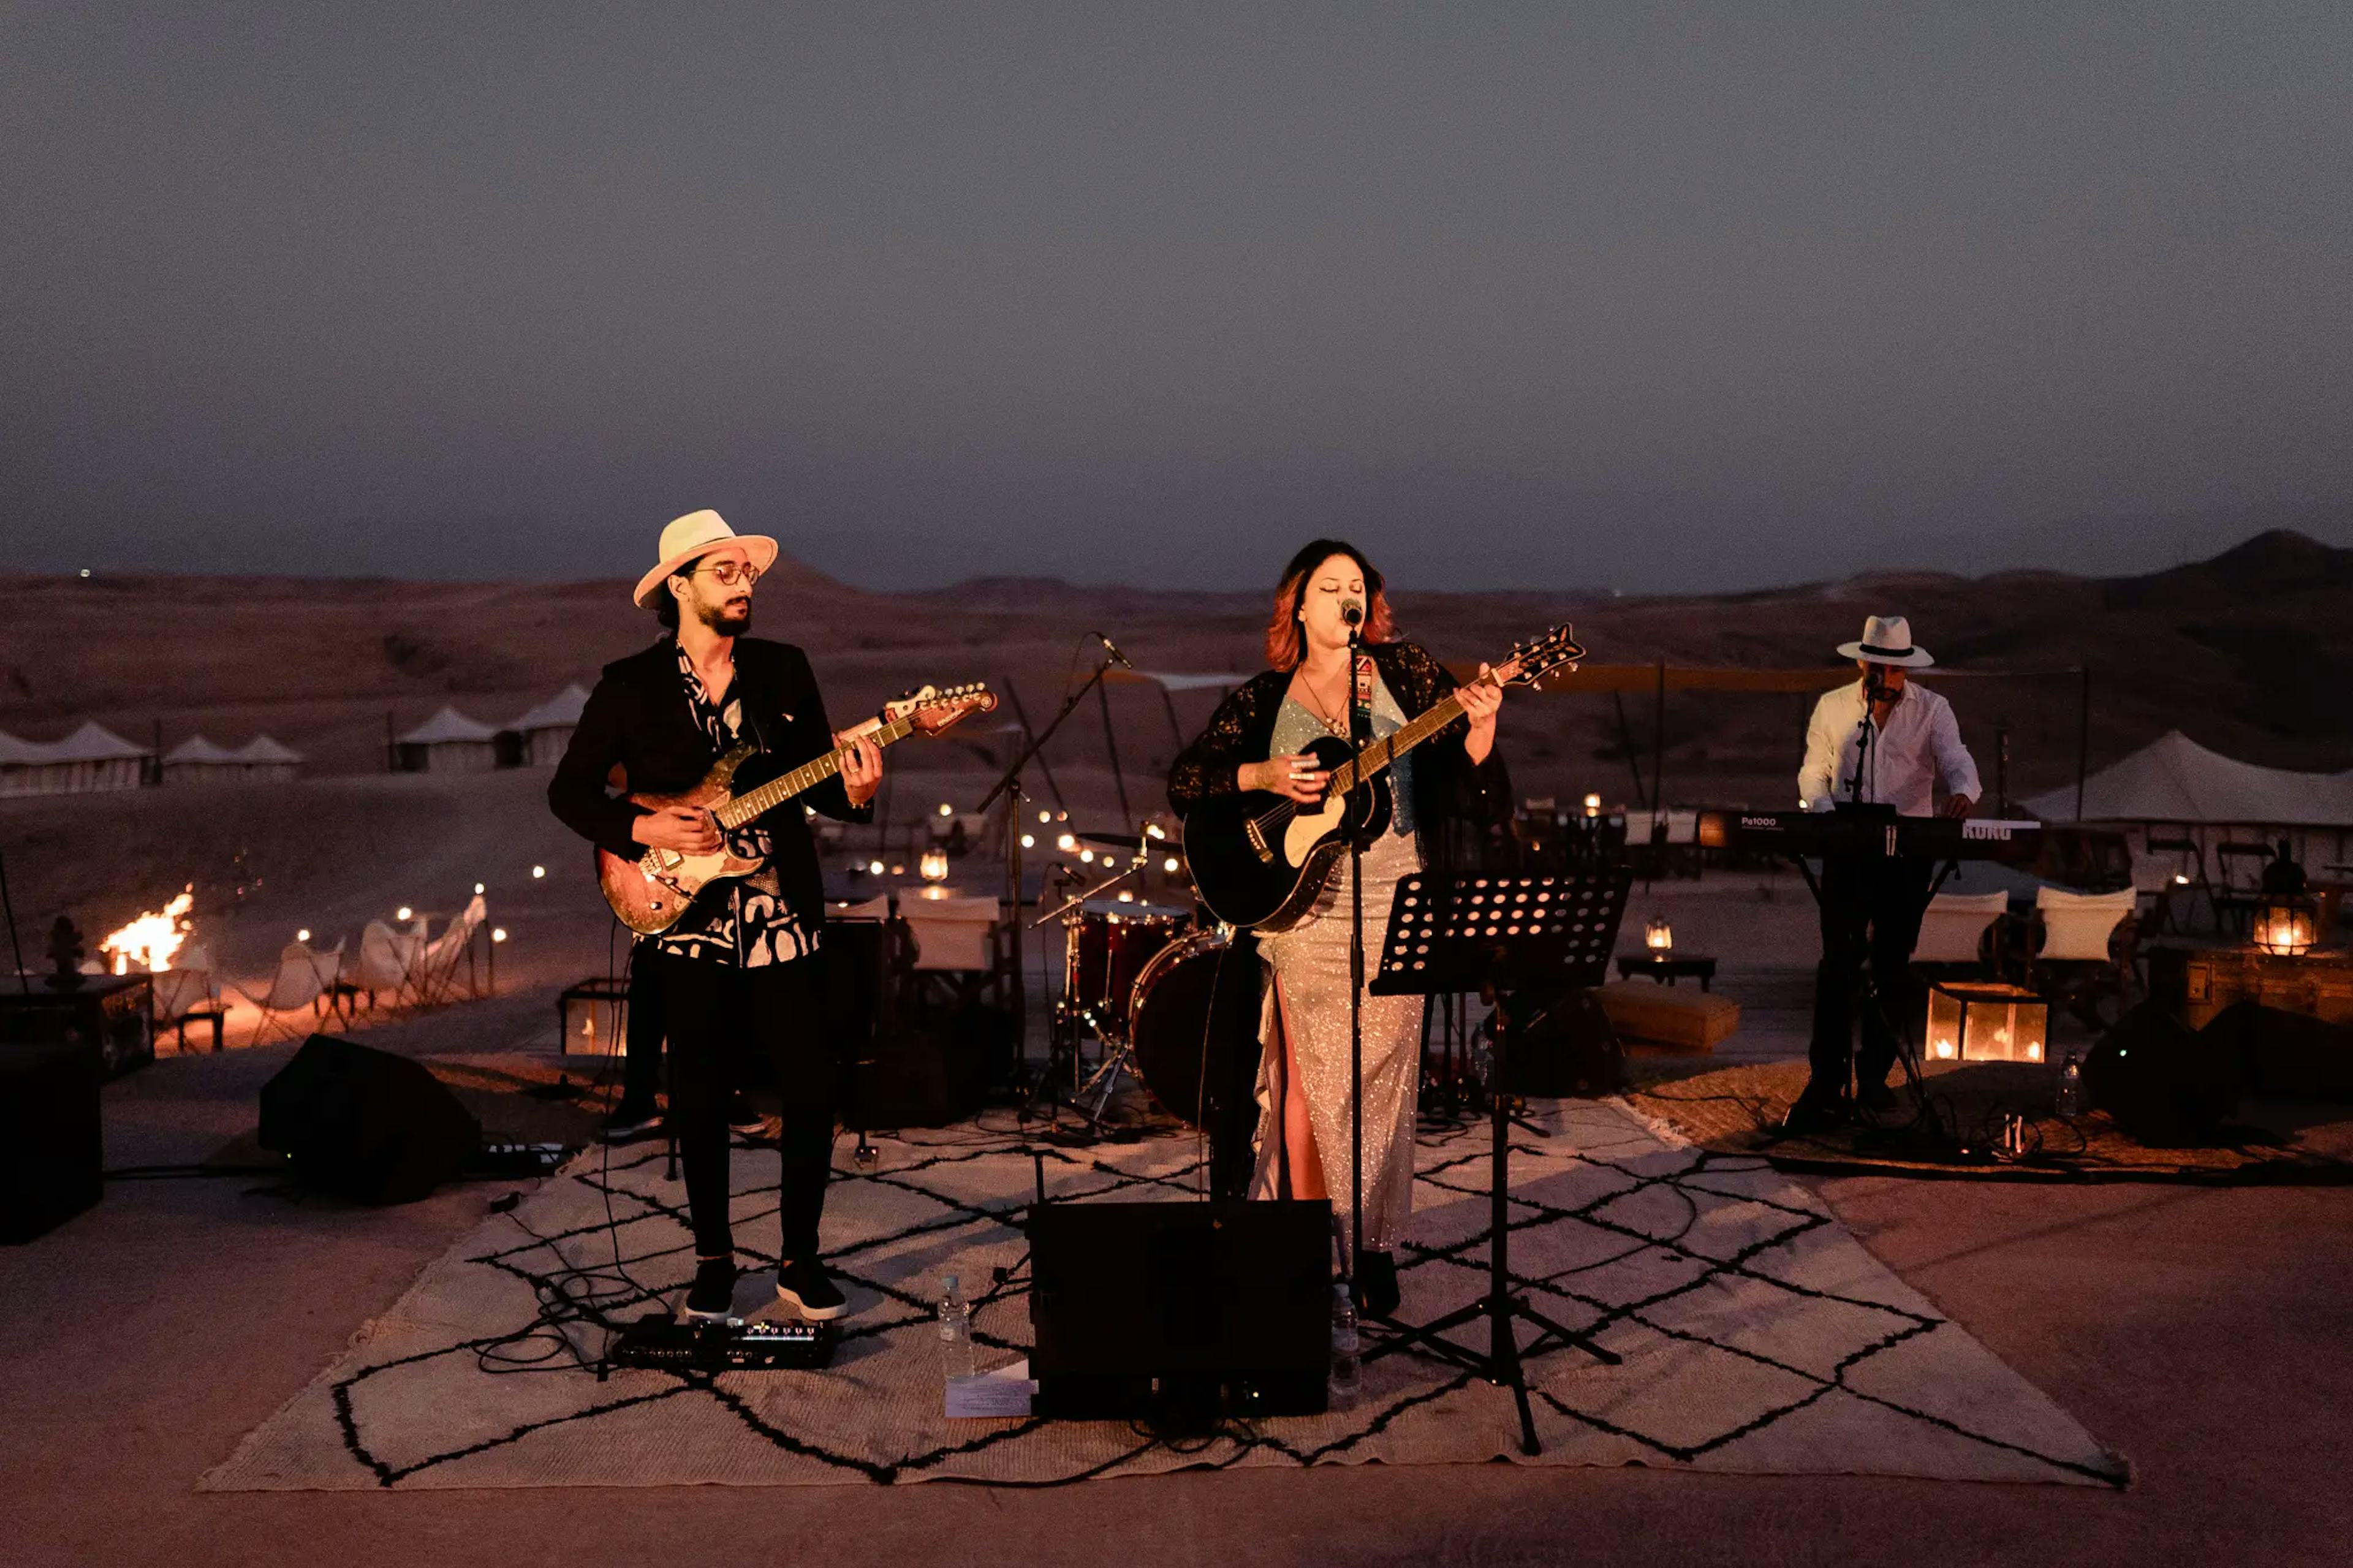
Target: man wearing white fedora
x=1884 y=741
x=738 y=969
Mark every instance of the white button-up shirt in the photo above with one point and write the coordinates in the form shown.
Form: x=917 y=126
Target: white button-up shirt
x=1921 y=740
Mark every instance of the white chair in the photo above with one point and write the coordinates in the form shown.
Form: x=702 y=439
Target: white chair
x=386 y=958
x=2074 y=965
x=295 y=986
x=2076 y=926
x=184 y=987
x=436 y=966
x=1953 y=929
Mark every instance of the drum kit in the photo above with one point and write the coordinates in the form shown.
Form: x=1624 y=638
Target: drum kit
x=1137 y=977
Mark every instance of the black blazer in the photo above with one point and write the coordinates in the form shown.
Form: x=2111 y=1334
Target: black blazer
x=638 y=719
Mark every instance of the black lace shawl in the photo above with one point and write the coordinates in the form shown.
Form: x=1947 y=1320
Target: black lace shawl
x=1446 y=784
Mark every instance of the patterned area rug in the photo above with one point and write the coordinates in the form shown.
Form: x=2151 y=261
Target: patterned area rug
x=1756 y=1335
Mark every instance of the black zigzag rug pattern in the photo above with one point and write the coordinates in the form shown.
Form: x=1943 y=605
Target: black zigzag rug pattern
x=1756 y=1335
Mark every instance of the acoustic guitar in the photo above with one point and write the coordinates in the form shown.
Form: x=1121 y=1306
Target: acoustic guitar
x=650 y=892
x=1259 y=858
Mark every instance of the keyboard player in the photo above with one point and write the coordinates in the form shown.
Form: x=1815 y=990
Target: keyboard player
x=1884 y=741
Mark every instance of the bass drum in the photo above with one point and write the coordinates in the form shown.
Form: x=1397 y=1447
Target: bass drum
x=1168 y=1021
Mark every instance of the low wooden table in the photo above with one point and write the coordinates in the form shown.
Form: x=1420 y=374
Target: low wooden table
x=216 y=1016
x=1667 y=968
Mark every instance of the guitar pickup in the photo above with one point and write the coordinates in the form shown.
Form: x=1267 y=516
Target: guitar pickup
x=1257 y=842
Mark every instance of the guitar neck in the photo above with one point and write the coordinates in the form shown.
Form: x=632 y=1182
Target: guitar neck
x=1380 y=753
x=807 y=776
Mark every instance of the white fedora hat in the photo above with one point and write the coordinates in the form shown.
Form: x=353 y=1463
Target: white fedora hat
x=1887 y=639
x=699 y=533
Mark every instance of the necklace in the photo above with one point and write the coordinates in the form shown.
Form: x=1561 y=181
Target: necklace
x=1323 y=710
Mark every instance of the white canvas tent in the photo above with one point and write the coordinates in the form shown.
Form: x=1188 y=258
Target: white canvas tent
x=447 y=742
x=265 y=758
x=2175 y=788
x=537 y=738
x=92 y=758
x=199 y=760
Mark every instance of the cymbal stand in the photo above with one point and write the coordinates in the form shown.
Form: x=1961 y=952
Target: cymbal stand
x=1119 y=1048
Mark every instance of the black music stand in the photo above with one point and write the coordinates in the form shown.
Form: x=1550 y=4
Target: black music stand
x=1507 y=933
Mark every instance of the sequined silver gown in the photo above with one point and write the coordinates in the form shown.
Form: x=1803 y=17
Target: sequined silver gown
x=1308 y=994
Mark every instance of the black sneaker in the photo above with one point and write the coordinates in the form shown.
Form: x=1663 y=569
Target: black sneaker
x=630 y=1122
x=742 y=1117
x=712 y=1296
x=1878 y=1099
x=1377 y=1283
x=1816 y=1113
x=807 y=1288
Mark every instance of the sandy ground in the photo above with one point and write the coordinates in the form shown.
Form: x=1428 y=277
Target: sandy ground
x=2199 y=1331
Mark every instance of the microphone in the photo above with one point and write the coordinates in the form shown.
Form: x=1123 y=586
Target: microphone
x=1112 y=648
x=1352 y=612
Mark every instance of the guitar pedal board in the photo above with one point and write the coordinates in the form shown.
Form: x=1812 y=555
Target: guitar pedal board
x=665 y=1344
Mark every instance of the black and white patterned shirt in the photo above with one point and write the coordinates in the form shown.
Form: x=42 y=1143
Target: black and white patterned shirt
x=745 y=920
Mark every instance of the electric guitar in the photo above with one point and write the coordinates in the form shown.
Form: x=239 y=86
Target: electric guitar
x=1259 y=858
x=650 y=892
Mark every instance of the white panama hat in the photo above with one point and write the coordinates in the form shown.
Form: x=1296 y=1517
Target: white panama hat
x=699 y=533
x=1887 y=639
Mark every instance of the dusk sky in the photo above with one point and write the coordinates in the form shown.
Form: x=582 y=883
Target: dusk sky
x=1659 y=297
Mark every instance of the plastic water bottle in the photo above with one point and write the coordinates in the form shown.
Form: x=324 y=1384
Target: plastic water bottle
x=2070 y=1088
x=956 y=1328
x=1345 y=1344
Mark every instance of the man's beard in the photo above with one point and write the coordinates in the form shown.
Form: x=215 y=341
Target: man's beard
x=728 y=620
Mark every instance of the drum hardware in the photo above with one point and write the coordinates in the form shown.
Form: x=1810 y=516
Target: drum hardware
x=1104 y=950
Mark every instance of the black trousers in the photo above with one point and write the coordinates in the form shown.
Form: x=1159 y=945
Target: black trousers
x=643 y=1038
x=717 y=1013
x=1872 y=906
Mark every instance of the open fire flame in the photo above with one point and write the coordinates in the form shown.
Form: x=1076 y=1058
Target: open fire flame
x=153 y=939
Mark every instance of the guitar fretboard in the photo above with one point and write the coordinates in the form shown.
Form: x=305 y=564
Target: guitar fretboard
x=808 y=775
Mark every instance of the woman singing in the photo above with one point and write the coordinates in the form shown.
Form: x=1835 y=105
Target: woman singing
x=1257 y=740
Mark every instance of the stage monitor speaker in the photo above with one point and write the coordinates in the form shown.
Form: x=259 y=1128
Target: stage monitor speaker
x=50 y=1149
x=366 y=1124
x=2292 y=1055
x=1180 y=1313
x=2161 y=1082
x=1564 y=1046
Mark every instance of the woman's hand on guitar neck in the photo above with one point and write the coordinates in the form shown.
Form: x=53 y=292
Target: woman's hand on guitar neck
x=1298 y=777
x=1480 y=699
x=686 y=829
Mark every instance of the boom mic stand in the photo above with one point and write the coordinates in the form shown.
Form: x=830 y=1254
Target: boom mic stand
x=1010 y=786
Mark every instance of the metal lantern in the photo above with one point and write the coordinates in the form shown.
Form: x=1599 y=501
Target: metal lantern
x=596 y=1017
x=1986 y=1022
x=934 y=866
x=2284 y=926
x=1658 y=935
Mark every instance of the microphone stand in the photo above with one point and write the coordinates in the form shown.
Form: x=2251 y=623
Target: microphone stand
x=1348 y=1275
x=1010 y=786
